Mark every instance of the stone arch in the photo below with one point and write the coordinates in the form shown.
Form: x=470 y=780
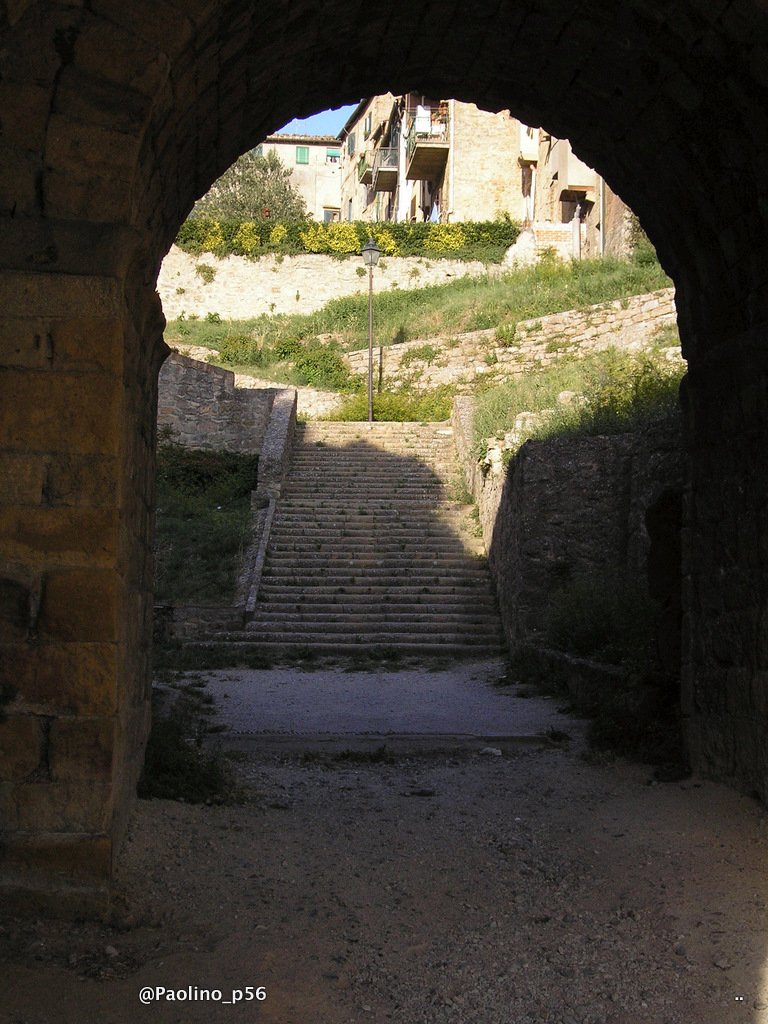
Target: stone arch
x=115 y=117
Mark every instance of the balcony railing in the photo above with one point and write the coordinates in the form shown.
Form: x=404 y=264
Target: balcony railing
x=427 y=143
x=364 y=171
x=385 y=170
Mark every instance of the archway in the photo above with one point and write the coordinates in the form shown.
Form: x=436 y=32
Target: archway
x=116 y=117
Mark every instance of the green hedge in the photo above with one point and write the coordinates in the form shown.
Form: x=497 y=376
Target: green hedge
x=483 y=240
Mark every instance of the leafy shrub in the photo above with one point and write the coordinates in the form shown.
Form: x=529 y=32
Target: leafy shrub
x=420 y=353
x=247 y=239
x=223 y=236
x=322 y=366
x=443 y=238
x=206 y=272
x=241 y=350
x=403 y=405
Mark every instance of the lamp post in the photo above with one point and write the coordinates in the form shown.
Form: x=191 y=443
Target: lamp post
x=371 y=253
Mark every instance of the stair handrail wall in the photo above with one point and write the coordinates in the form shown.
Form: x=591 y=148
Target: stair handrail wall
x=273 y=461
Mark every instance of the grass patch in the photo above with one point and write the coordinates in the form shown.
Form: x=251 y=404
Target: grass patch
x=622 y=392
x=203 y=513
x=403 y=405
x=177 y=766
x=605 y=619
x=466 y=304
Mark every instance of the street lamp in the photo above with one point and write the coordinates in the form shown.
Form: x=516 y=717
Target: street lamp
x=371 y=253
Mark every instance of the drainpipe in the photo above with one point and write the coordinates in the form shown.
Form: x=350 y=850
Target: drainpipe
x=451 y=116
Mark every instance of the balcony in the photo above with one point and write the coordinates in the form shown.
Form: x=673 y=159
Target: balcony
x=364 y=171
x=427 y=144
x=385 y=170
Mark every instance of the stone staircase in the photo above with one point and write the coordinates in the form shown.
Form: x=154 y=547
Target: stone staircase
x=370 y=548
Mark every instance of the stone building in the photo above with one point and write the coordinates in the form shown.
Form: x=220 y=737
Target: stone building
x=315 y=165
x=566 y=191
x=410 y=157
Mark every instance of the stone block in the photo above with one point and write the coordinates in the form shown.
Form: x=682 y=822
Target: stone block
x=70 y=857
x=59 y=295
x=85 y=481
x=59 y=412
x=77 y=679
x=82 y=806
x=15 y=610
x=18 y=169
x=80 y=605
x=23 y=479
x=25 y=344
x=25 y=110
x=81 y=749
x=21 y=745
x=59 y=536
x=88 y=344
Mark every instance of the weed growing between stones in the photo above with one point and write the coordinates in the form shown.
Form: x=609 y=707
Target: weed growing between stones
x=635 y=713
x=203 y=511
x=177 y=764
x=618 y=392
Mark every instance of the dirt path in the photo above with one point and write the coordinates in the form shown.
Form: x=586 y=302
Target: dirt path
x=460 y=888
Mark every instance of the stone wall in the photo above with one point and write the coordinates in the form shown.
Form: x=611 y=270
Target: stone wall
x=623 y=323
x=204 y=409
x=242 y=288
x=567 y=507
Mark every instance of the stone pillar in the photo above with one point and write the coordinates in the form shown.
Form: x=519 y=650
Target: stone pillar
x=76 y=446
x=725 y=564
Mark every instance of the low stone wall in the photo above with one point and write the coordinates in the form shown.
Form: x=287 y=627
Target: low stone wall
x=567 y=507
x=241 y=288
x=623 y=323
x=204 y=409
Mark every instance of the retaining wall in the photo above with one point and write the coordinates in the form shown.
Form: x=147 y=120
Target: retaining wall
x=629 y=323
x=204 y=409
x=567 y=507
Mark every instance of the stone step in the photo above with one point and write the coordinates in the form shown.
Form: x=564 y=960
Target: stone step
x=364 y=546
x=391 y=627
x=370 y=575
x=408 y=604
x=431 y=613
x=240 y=649
x=367 y=636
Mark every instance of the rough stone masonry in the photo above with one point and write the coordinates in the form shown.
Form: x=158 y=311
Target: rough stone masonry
x=116 y=117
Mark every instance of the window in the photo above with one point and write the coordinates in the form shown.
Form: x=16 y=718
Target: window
x=302 y=154
x=367 y=126
x=332 y=156
x=351 y=143
x=330 y=215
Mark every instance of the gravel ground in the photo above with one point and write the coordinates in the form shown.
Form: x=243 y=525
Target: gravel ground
x=455 y=888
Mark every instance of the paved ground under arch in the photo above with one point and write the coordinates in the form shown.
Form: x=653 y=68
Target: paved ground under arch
x=447 y=886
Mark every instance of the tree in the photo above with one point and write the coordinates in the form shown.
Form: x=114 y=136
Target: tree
x=254 y=188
